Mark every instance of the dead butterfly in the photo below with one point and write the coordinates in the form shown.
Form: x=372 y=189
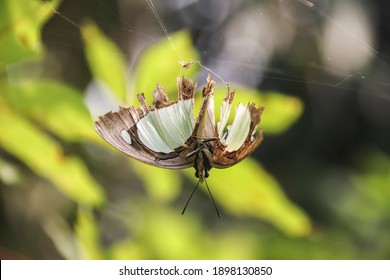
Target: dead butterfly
x=169 y=136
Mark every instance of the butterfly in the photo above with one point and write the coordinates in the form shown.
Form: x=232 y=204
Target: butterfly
x=168 y=135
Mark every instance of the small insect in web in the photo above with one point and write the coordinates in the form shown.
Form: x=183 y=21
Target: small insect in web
x=168 y=135
x=186 y=64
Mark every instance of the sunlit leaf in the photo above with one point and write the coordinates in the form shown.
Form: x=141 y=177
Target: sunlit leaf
x=176 y=232
x=281 y=111
x=20 y=36
x=87 y=235
x=56 y=106
x=248 y=190
x=161 y=184
x=233 y=244
x=159 y=63
x=46 y=157
x=127 y=249
x=105 y=60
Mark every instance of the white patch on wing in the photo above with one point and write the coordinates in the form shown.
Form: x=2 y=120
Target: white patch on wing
x=225 y=112
x=163 y=130
x=150 y=137
x=185 y=111
x=126 y=136
x=238 y=131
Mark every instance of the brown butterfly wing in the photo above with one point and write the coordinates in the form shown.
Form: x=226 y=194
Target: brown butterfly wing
x=224 y=159
x=110 y=127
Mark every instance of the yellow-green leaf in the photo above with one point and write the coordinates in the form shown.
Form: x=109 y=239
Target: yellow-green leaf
x=246 y=189
x=87 y=235
x=176 y=232
x=20 y=36
x=163 y=185
x=56 y=106
x=46 y=158
x=281 y=112
x=105 y=60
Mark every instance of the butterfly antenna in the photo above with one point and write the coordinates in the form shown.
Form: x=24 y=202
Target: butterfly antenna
x=188 y=201
x=212 y=198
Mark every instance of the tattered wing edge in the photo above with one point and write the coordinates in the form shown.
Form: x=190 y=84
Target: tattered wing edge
x=111 y=125
x=224 y=159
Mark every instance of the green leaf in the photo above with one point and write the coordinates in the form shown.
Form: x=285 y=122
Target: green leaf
x=20 y=36
x=56 y=106
x=127 y=249
x=159 y=63
x=281 y=111
x=248 y=190
x=46 y=158
x=105 y=60
x=88 y=235
x=175 y=233
x=163 y=186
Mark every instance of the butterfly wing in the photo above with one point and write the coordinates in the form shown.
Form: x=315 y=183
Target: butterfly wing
x=119 y=130
x=224 y=159
x=241 y=138
x=167 y=134
x=154 y=135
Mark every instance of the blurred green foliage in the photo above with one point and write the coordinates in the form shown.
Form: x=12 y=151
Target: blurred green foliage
x=105 y=61
x=29 y=106
x=41 y=120
x=20 y=31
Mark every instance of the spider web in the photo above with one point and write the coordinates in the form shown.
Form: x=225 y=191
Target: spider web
x=245 y=43
x=331 y=54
